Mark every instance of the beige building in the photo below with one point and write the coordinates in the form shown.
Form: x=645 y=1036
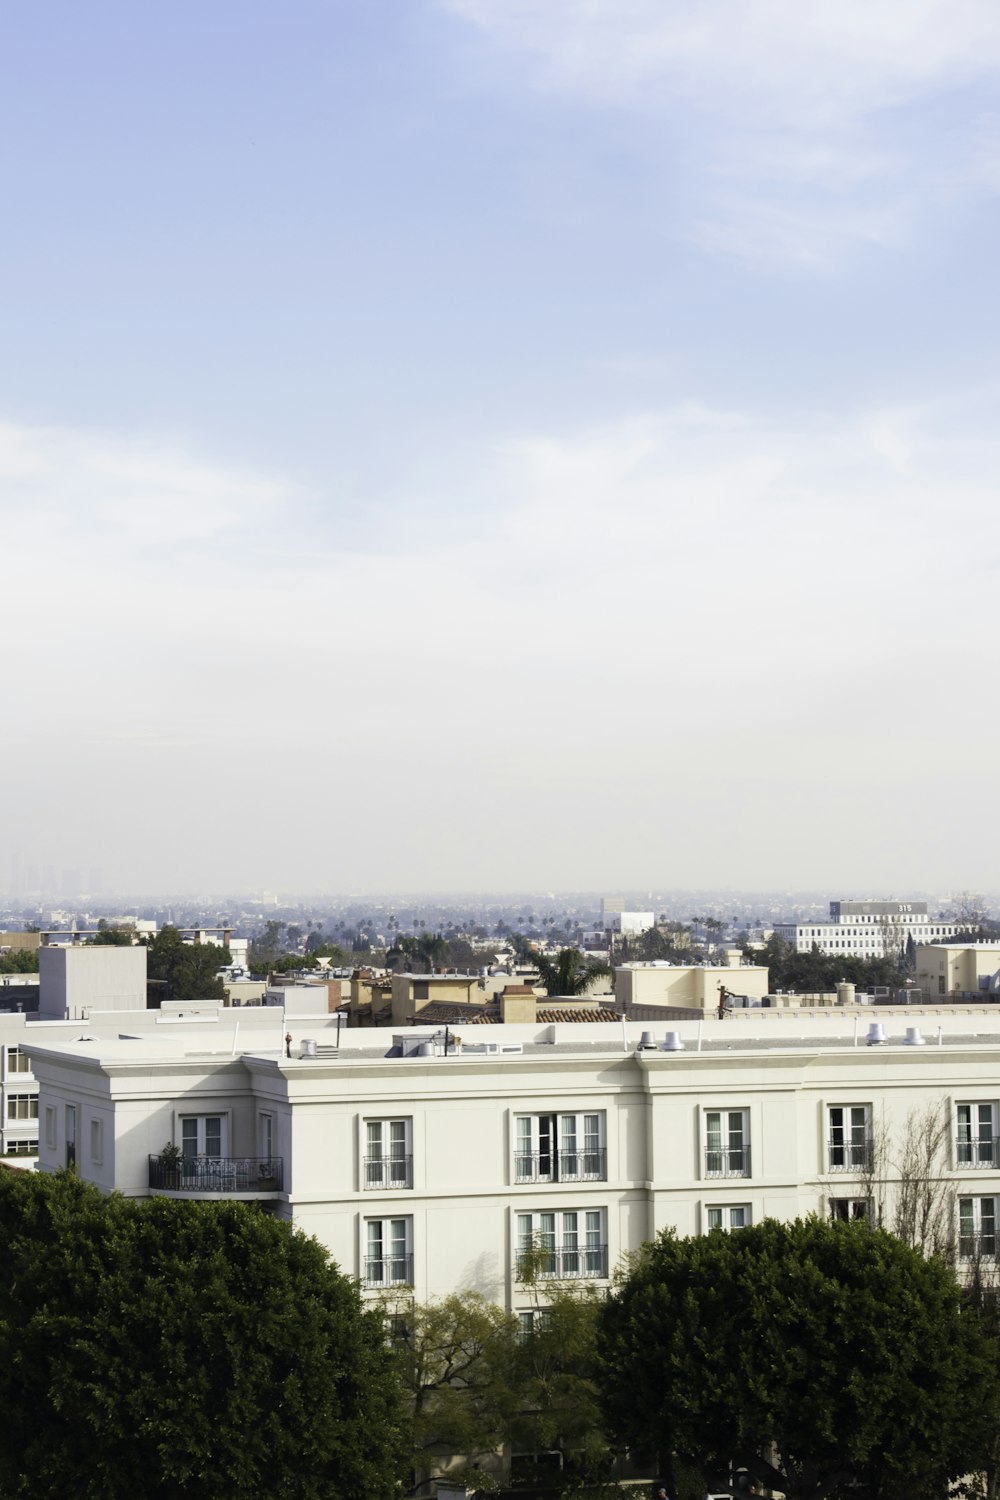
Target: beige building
x=694 y=987
x=411 y=992
x=958 y=969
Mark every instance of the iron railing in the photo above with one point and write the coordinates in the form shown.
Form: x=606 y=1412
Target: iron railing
x=388 y=1171
x=587 y=1260
x=978 y=1152
x=727 y=1161
x=850 y=1156
x=981 y=1246
x=217 y=1174
x=389 y=1270
x=561 y=1166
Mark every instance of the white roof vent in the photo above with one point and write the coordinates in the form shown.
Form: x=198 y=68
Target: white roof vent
x=672 y=1042
x=646 y=1043
x=913 y=1037
x=876 y=1034
x=308 y=1048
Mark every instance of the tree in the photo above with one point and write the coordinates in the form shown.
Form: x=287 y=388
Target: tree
x=571 y=973
x=19 y=961
x=558 y=1382
x=457 y=1364
x=188 y=970
x=173 y=1349
x=112 y=935
x=826 y=1359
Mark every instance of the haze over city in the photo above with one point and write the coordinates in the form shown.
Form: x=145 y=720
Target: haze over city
x=477 y=445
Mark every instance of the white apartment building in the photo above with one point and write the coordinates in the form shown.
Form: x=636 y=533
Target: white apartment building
x=435 y=1164
x=867 y=929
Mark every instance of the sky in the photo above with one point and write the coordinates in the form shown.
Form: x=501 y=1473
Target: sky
x=501 y=444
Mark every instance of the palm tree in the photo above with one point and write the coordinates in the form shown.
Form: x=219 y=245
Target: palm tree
x=432 y=949
x=571 y=973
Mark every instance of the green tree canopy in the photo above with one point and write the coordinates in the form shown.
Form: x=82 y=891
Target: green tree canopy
x=570 y=973
x=189 y=970
x=19 y=961
x=827 y=1359
x=170 y=1349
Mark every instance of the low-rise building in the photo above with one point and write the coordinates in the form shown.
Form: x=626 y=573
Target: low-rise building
x=867 y=929
x=960 y=969
x=430 y=1163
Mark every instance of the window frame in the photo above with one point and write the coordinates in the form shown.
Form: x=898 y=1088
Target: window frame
x=539 y=1153
x=391 y=1170
x=574 y=1246
x=976 y=1242
x=969 y=1142
x=724 y=1209
x=400 y=1261
x=856 y=1155
x=726 y=1153
x=15 y=1113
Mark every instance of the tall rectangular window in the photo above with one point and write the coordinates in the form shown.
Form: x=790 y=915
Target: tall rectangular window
x=17 y=1061
x=570 y=1243
x=977 y=1228
x=388 y=1159
x=976 y=1144
x=97 y=1141
x=727 y=1143
x=560 y=1148
x=388 y=1252
x=850 y=1139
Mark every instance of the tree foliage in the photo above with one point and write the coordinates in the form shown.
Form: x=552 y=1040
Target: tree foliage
x=819 y=973
x=570 y=972
x=827 y=1359
x=188 y=970
x=170 y=1349
x=19 y=961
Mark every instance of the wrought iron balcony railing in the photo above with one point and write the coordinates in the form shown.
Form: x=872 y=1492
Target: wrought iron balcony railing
x=588 y=1260
x=389 y=1270
x=217 y=1174
x=561 y=1166
x=982 y=1246
x=727 y=1161
x=388 y=1171
x=978 y=1153
x=850 y=1156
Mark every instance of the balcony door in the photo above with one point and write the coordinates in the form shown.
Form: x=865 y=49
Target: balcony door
x=203 y=1135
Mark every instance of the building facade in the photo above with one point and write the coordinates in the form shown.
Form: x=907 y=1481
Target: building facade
x=867 y=929
x=426 y=1166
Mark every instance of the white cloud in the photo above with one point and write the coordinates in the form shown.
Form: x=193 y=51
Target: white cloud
x=794 y=124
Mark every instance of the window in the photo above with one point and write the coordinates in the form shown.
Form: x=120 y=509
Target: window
x=532 y=1320
x=202 y=1135
x=977 y=1228
x=97 y=1141
x=388 y=1154
x=22 y=1106
x=562 y=1244
x=976 y=1145
x=389 y=1252
x=17 y=1062
x=844 y=1210
x=23 y=1148
x=71 y=1135
x=850 y=1145
x=727 y=1143
x=728 y=1216
x=50 y=1127
x=560 y=1148
x=265 y=1136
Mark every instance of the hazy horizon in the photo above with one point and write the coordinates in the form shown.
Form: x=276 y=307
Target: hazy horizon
x=469 y=444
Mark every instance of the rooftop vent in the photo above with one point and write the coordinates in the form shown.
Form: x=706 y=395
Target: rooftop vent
x=913 y=1037
x=876 y=1034
x=672 y=1042
x=646 y=1043
x=308 y=1048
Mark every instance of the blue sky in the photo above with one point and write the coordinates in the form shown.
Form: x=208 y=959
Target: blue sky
x=501 y=442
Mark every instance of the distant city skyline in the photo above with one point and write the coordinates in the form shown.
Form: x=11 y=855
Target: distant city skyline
x=467 y=443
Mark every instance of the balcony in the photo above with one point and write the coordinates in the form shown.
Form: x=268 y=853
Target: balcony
x=389 y=1270
x=978 y=1153
x=561 y=1166
x=976 y=1247
x=727 y=1161
x=850 y=1156
x=388 y=1172
x=226 y=1176
x=563 y=1264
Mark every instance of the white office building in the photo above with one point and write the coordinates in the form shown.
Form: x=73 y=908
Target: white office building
x=867 y=929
